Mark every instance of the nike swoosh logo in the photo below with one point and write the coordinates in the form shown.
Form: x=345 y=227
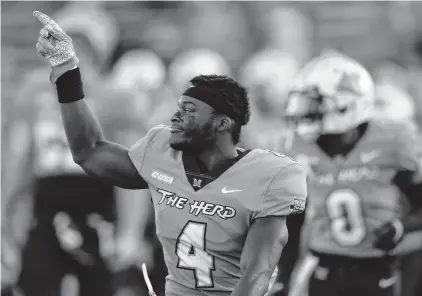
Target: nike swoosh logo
x=224 y=190
x=367 y=157
x=385 y=283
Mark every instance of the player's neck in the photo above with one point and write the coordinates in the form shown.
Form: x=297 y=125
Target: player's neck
x=341 y=144
x=212 y=157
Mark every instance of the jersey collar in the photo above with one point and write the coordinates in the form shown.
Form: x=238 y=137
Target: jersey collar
x=197 y=174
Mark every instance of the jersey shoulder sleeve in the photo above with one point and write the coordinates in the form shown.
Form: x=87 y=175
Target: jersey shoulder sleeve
x=287 y=191
x=305 y=154
x=406 y=146
x=156 y=137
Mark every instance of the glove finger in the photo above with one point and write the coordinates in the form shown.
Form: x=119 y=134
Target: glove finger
x=53 y=30
x=44 y=33
x=46 y=20
x=45 y=43
x=41 y=50
x=62 y=36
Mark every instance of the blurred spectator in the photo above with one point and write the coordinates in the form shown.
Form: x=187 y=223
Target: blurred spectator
x=139 y=69
x=220 y=26
x=390 y=73
x=287 y=29
x=143 y=73
x=267 y=74
x=94 y=33
x=122 y=47
x=193 y=62
x=394 y=104
x=164 y=36
x=414 y=77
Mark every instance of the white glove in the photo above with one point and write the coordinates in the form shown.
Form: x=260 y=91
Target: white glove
x=55 y=46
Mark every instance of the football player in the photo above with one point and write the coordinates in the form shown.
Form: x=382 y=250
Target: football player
x=358 y=170
x=220 y=212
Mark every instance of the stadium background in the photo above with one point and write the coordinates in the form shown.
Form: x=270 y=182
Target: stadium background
x=262 y=44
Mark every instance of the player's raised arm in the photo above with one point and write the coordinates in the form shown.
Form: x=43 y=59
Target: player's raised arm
x=268 y=234
x=97 y=156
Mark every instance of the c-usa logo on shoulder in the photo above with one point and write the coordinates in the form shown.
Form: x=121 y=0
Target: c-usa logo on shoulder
x=163 y=178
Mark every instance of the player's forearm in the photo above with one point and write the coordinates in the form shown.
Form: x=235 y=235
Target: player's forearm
x=252 y=286
x=258 y=270
x=83 y=131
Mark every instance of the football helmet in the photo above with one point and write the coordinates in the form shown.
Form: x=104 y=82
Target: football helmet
x=332 y=94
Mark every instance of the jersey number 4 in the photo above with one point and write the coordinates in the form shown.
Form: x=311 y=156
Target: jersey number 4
x=191 y=250
x=345 y=212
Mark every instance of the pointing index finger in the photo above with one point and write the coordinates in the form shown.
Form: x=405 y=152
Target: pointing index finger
x=46 y=20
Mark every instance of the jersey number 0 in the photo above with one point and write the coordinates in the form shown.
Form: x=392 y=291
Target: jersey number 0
x=345 y=212
x=191 y=250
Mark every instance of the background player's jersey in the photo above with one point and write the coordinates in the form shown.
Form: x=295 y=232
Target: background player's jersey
x=352 y=196
x=203 y=232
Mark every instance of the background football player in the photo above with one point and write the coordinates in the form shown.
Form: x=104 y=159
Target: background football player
x=358 y=171
x=222 y=227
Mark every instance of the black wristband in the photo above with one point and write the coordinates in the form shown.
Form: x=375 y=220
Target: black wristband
x=69 y=87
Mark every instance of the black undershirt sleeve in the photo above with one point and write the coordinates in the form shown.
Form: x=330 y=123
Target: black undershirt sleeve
x=413 y=191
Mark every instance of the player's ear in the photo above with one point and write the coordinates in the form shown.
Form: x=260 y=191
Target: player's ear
x=224 y=123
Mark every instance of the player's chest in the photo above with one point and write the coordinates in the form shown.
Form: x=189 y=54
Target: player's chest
x=363 y=178
x=364 y=167
x=225 y=204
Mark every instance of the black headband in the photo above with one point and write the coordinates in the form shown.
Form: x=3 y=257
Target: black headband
x=207 y=96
